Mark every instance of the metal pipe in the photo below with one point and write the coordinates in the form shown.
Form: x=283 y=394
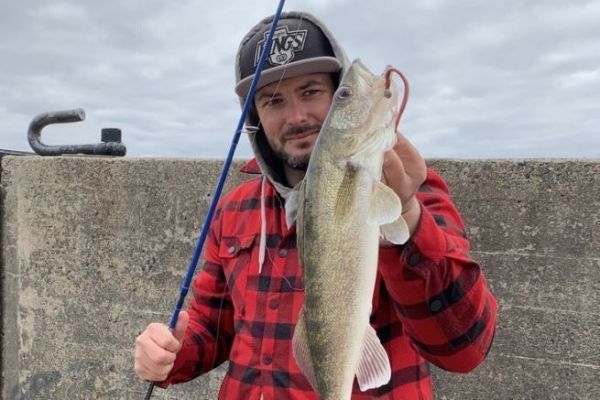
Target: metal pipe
x=34 y=134
x=4 y=152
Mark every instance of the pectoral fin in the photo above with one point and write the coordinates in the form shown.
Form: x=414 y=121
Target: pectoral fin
x=396 y=232
x=374 y=367
x=385 y=206
x=301 y=351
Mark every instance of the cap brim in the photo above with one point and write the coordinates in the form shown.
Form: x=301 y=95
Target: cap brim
x=308 y=66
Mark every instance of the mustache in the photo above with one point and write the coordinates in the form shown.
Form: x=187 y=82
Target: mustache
x=299 y=129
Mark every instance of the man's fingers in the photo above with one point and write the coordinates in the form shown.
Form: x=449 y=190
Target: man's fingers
x=404 y=169
x=153 y=366
x=156 y=349
x=392 y=162
x=156 y=354
x=162 y=336
x=152 y=360
x=181 y=325
x=413 y=161
x=160 y=354
x=393 y=172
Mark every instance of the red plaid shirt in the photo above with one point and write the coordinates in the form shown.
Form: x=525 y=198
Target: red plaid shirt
x=431 y=301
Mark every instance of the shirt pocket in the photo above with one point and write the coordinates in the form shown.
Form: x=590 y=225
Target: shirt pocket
x=232 y=246
x=237 y=254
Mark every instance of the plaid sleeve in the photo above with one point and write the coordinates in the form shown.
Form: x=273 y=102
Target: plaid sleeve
x=439 y=292
x=208 y=337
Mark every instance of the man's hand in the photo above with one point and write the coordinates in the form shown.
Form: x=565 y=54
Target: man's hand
x=156 y=348
x=404 y=171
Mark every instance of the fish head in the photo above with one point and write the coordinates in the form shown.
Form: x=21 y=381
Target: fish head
x=360 y=120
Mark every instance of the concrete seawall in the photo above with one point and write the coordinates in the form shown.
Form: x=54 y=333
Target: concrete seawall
x=93 y=249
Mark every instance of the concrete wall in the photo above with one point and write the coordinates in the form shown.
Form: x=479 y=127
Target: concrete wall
x=93 y=249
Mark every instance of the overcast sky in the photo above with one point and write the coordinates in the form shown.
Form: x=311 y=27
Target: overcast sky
x=503 y=79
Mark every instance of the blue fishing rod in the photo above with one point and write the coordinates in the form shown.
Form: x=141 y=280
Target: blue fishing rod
x=185 y=285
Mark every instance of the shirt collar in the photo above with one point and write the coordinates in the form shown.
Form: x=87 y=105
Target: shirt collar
x=251 y=167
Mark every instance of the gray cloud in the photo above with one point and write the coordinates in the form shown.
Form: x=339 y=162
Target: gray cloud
x=504 y=79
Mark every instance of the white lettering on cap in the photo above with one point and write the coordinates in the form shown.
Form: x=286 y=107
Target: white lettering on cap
x=285 y=45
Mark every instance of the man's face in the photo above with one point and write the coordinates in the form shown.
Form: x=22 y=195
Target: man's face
x=291 y=113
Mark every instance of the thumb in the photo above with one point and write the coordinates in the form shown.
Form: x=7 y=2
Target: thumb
x=181 y=325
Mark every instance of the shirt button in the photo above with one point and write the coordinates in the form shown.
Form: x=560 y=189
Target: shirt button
x=267 y=359
x=273 y=304
x=435 y=306
x=414 y=259
x=231 y=249
x=283 y=252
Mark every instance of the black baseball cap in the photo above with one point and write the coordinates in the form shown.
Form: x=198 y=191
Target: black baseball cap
x=299 y=47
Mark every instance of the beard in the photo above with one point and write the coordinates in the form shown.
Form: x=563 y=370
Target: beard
x=297 y=162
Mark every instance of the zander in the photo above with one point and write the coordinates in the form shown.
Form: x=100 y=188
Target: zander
x=343 y=211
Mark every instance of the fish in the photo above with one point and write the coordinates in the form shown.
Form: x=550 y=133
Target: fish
x=343 y=211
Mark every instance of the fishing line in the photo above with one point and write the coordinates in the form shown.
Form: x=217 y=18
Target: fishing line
x=219 y=189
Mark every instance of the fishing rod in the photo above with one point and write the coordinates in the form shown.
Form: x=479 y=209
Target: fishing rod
x=219 y=189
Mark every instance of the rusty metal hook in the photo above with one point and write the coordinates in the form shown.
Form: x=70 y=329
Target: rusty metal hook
x=111 y=146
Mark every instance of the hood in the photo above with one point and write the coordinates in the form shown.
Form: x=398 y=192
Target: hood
x=297 y=63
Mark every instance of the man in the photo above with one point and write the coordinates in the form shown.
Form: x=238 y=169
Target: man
x=431 y=301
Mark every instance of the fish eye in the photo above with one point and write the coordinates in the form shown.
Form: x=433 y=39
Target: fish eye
x=343 y=93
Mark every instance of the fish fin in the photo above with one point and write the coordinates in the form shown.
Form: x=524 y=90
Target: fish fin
x=385 y=205
x=396 y=232
x=301 y=351
x=381 y=139
x=374 y=368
